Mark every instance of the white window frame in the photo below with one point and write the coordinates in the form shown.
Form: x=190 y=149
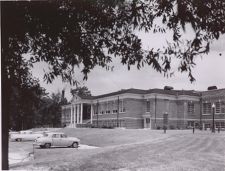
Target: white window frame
x=206 y=113
x=121 y=107
x=219 y=107
x=148 y=106
x=115 y=108
x=191 y=107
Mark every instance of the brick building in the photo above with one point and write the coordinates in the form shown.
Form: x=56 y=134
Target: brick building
x=154 y=108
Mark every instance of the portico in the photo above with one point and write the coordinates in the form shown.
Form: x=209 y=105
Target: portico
x=80 y=113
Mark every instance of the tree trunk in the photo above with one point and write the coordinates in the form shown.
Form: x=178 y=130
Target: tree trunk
x=5 y=122
x=6 y=92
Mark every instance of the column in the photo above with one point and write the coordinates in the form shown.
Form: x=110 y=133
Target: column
x=91 y=113
x=81 y=113
x=77 y=113
x=71 y=112
x=74 y=116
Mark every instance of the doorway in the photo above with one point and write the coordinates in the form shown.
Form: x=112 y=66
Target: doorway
x=147 y=123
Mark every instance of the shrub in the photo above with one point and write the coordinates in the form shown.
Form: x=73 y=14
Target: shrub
x=164 y=127
x=172 y=127
x=158 y=127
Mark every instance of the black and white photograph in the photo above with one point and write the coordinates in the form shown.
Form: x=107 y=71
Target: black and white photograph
x=113 y=85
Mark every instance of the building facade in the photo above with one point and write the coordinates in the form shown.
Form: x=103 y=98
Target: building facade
x=154 y=108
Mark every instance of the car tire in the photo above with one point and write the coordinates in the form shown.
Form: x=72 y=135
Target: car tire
x=75 y=145
x=19 y=139
x=47 y=145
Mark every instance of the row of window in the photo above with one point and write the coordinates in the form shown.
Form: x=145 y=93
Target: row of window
x=109 y=107
x=109 y=111
x=112 y=107
x=206 y=107
x=190 y=108
x=219 y=107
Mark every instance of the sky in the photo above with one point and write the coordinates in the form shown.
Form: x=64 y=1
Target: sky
x=209 y=71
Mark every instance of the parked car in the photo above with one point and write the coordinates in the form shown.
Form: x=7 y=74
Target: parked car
x=27 y=135
x=57 y=139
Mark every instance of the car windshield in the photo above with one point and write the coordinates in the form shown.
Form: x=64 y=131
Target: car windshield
x=63 y=136
x=56 y=136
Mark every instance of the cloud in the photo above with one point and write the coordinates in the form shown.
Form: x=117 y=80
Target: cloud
x=209 y=71
x=219 y=45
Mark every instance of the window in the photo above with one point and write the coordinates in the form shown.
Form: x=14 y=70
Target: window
x=165 y=118
x=217 y=107
x=207 y=108
x=121 y=105
x=63 y=136
x=191 y=108
x=220 y=107
x=222 y=125
x=190 y=123
x=107 y=111
x=114 y=111
x=101 y=108
x=223 y=107
x=56 y=136
x=115 y=106
x=217 y=124
x=148 y=106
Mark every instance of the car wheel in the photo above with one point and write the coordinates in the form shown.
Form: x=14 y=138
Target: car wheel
x=47 y=145
x=19 y=139
x=75 y=145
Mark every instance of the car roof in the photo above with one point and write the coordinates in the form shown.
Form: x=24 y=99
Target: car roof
x=26 y=131
x=54 y=133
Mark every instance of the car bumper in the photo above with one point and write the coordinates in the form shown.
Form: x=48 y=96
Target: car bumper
x=38 y=143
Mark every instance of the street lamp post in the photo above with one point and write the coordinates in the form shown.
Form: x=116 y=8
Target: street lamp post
x=213 y=122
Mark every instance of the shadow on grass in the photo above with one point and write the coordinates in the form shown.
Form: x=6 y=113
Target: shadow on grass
x=55 y=147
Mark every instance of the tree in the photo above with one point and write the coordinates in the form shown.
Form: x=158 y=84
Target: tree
x=50 y=110
x=85 y=33
x=81 y=91
x=24 y=103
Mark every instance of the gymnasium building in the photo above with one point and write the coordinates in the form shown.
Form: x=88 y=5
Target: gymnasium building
x=153 y=108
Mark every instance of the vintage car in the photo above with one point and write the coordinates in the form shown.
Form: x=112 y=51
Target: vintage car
x=57 y=139
x=27 y=135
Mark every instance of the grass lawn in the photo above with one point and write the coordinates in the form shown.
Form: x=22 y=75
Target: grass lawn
x=110 y=137
x=124 y=150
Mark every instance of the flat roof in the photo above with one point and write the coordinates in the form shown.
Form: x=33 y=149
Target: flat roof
x=140 y=91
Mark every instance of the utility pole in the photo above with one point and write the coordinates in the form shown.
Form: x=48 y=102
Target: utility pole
x=200 y=124
x=97 y=113
x=155 y=110
x=118 y=110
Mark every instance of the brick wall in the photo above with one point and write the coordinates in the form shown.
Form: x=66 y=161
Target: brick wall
x=135 y=108
x=211 y=97
x=177 y=110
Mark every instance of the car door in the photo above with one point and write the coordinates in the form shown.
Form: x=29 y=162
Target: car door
x=65 y=141
x=56 y=140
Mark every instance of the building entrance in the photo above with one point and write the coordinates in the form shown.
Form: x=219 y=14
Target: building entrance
x=147 y=123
